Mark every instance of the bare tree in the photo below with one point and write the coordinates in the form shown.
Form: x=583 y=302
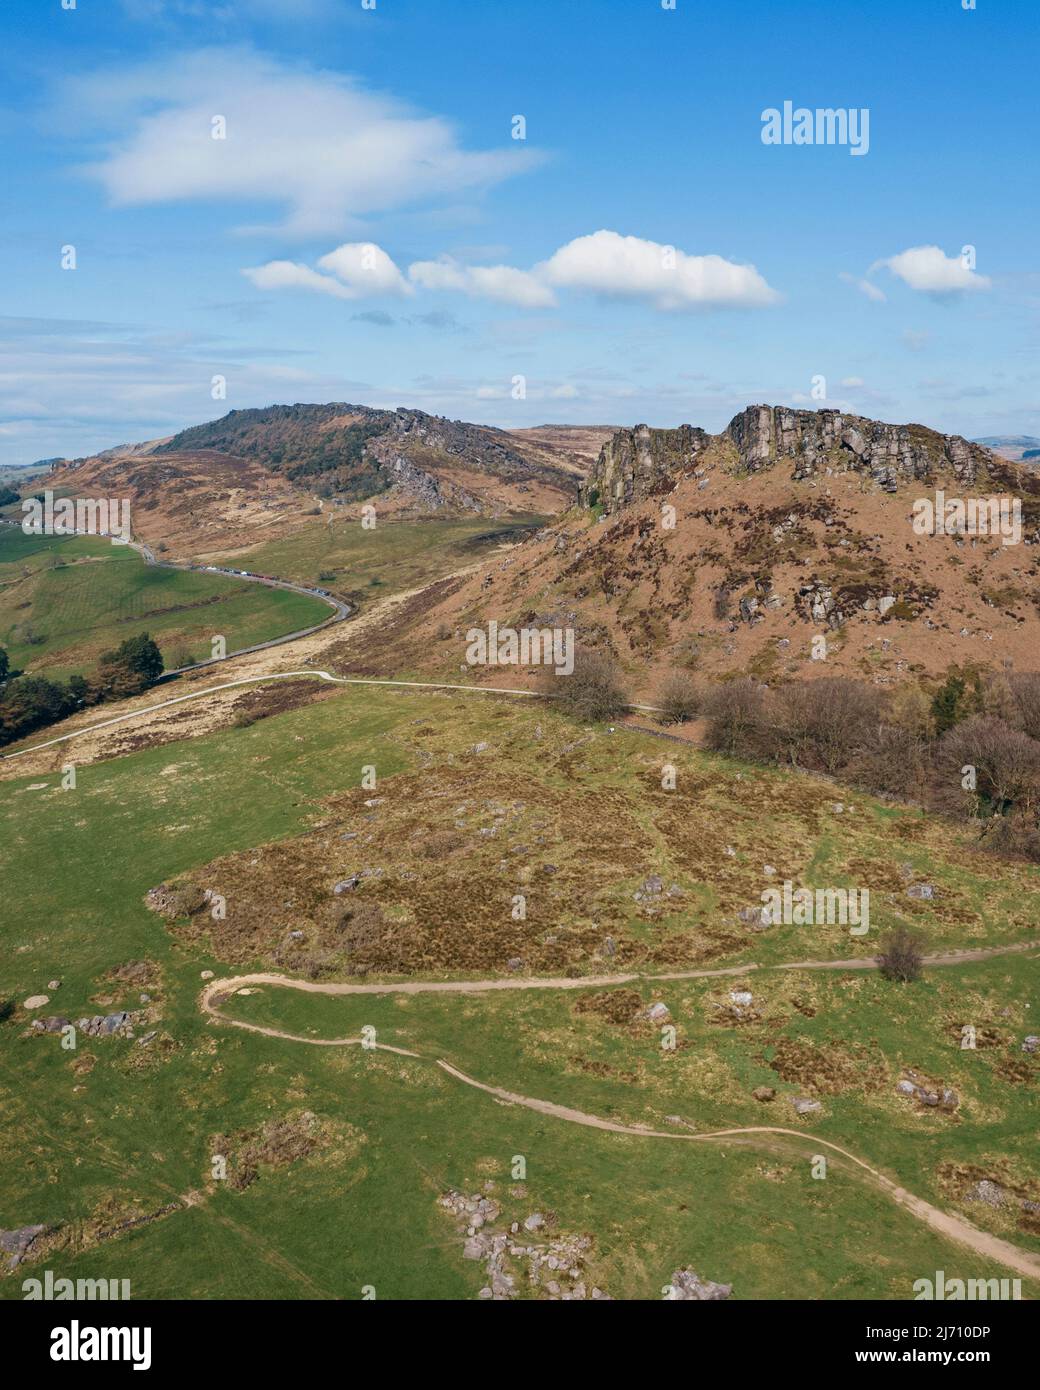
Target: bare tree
x=593 y=690
x=824 y=723
x=679 y=698
x=736 y=714
x=982 y=761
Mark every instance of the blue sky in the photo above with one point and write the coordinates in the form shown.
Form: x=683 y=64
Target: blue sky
x=370 y=231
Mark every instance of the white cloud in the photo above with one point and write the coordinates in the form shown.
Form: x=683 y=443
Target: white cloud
x=603 y=263
x=625 y=266
x=359 y=270
x=313 y=141
x=502 y=283
x=285 y=275
x=865 y=287
x=850 y=381
x=365 y=268
x=928 y=270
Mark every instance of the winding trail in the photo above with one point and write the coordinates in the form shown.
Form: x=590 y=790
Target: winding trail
x=283 y=676
x=955 y=1228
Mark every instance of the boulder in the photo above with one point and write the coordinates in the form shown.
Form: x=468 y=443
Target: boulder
x=923 y=892
x=804 y=1105
x=686 y=1286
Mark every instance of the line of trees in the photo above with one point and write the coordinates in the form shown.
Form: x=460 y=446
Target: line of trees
x=968 y=749
x=971 y=749
x=28 y=702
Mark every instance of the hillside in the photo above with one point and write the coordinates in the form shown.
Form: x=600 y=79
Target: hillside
x=354 y=452
x=190 y=503
x=257 y=475
x=788 y=525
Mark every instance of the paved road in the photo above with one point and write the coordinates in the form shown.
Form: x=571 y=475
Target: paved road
x=340 y=609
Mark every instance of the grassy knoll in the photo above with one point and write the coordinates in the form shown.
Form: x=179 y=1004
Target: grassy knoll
x=92 y=1137
x=81 y=596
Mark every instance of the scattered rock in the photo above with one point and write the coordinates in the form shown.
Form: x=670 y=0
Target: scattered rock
x=17 y=1243
x=990 y=1193
x=764 y=1093
x=921 y=891
x=685 y=1286
x=36 y=1001
x=804 y=1105
x=1031 y=1044
x=758 y=918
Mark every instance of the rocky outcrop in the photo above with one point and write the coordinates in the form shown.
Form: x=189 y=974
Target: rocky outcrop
x=641 y=462
x=817 y=439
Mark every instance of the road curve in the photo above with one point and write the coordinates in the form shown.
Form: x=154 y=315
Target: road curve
x=955 y=1228
x=340 y=609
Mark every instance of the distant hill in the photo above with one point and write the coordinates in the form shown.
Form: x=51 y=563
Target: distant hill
x=354 y=452
x=1012 y=446
x=257 y=475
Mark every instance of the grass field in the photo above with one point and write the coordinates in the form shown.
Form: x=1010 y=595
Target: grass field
x=393 y=556
x=111 y=1130
x=81 y=596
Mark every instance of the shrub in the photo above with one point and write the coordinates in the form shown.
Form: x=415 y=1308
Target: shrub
x=737 y=718
x=947 y=704
x=678 y=698
x=893 y=761
x=824 y=723
x=1026 y=690
x=593 y=690
x=901 y=957
x=1006 y=766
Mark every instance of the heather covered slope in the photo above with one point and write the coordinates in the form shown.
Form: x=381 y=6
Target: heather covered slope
x=354 y=452
x=732 y=553
x=256 y=476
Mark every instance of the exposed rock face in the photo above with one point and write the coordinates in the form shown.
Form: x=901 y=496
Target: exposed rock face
x=643 y=462
x=815 y=439
x=640 y=463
